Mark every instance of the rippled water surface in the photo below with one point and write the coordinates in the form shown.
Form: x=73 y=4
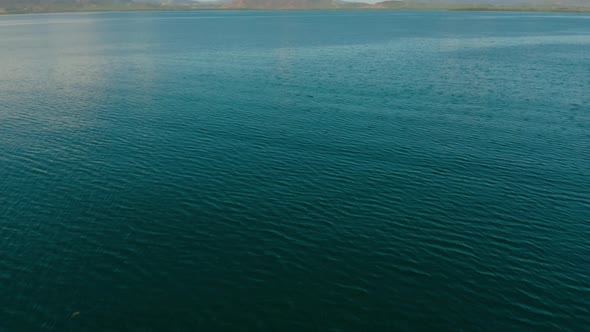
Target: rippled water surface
x=304 y=171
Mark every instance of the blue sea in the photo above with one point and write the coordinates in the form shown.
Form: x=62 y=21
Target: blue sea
x=295 y=171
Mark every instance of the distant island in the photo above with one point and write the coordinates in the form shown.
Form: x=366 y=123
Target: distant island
x=47 y=6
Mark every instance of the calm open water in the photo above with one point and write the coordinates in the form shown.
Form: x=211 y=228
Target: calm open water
x=304 y=171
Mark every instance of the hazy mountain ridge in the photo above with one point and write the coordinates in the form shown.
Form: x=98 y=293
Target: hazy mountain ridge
x=282 y=4
x=104 y=5
x=451 y=4
x=26 y=6
x=6 y=3
x=407 y=4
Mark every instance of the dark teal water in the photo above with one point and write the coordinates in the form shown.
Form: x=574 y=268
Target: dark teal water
x=303 y=171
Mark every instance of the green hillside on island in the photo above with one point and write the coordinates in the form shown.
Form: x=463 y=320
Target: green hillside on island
x=32 y=6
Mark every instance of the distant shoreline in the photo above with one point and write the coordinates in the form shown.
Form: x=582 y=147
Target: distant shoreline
x=574 y=10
